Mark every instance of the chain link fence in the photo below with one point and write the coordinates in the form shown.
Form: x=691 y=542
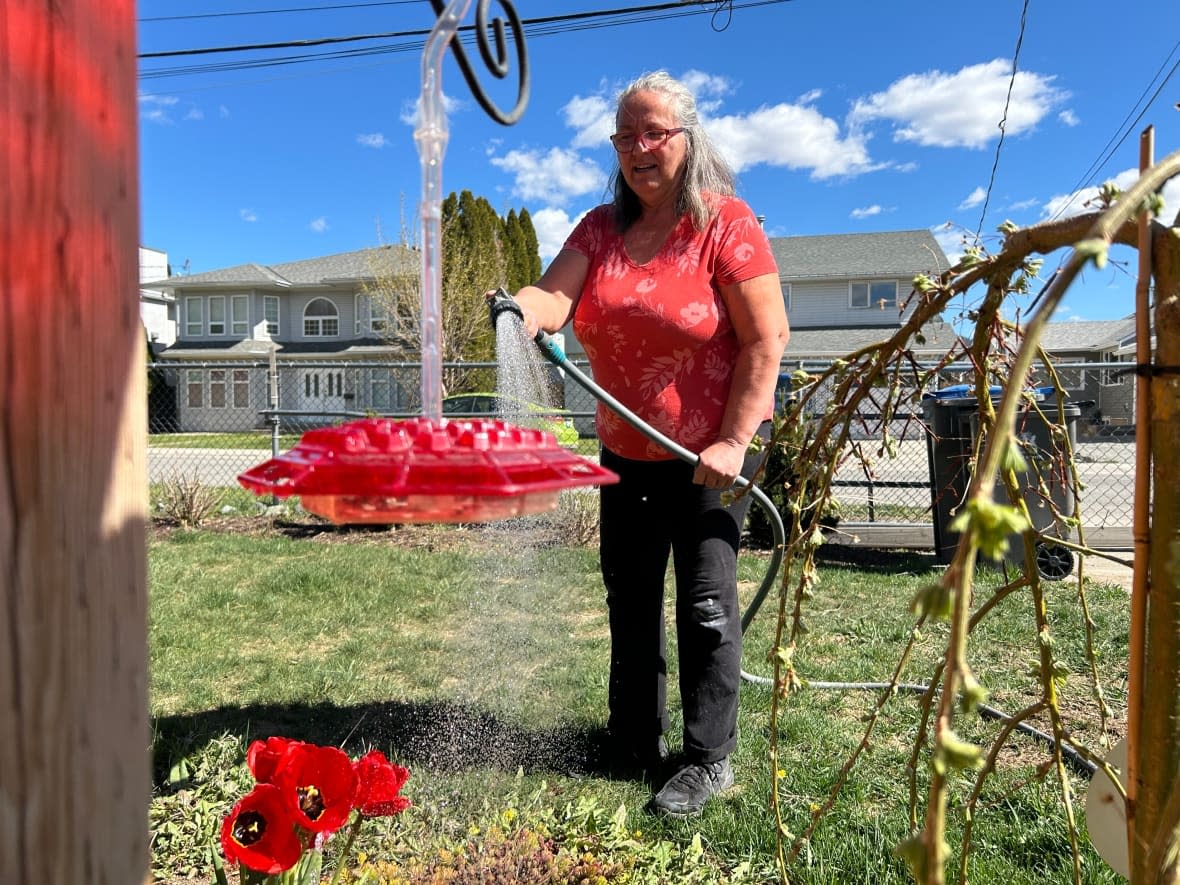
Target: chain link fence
x=210 y=421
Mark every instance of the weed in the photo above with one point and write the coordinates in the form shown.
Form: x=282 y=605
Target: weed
x=186 y=500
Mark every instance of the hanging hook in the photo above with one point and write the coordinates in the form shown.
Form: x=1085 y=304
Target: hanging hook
x=497 y=63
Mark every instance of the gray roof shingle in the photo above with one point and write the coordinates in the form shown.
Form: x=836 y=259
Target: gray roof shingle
x=904 y=254
x=832 y=342
x=1086 y=335
x=343 y=267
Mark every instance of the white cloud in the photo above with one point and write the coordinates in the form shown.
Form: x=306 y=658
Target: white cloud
x=157 y=108
x=1068 y=117
x=866 y=212
x=1068 y=205
x=552 y=177
x=707 y=89
x=553 y=226
x=792 y=136
x=974 y=199
x=318 y=225
x=409 y=112
x=223 y=111
x=248 y=215
x=1021 y=205
x=372 y=139
x=592 y=117
x=952 y=239
x=963 y=109
x=195 y=113
x=810 y=97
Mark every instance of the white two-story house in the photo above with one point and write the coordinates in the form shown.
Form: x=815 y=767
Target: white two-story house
x=847 y=291
x=317 y=314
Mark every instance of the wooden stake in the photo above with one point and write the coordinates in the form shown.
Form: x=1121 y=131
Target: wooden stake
x=74 y=769
x=1141 y=523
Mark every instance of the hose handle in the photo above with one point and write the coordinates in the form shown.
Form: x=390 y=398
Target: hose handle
x=501 y=302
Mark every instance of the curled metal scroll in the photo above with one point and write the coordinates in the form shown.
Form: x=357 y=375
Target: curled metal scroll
x=497 y=63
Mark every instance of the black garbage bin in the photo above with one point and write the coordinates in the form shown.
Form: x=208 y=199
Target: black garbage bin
x=952 y=415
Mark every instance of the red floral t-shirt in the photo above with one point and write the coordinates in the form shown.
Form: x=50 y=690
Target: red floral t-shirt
x=658 y=335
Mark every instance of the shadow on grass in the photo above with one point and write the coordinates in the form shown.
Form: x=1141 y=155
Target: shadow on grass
x=851 y=556
x=442 y=736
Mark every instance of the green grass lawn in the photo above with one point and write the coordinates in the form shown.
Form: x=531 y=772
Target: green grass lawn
x=479 y=660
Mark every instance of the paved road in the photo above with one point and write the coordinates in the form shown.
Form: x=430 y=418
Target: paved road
x=213 y=467
x=1106 y=471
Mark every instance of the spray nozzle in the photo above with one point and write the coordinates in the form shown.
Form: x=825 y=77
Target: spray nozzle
x=501 y=301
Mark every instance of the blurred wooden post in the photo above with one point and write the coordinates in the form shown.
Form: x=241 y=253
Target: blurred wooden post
x=74 y=770
x=1155 y=848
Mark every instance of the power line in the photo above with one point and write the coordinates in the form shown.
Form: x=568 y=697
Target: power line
x=1004 y=119
x=1126 y=128
x=626 y=15
x=332 y=8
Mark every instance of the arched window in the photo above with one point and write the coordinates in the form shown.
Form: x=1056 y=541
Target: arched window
x=320 y=319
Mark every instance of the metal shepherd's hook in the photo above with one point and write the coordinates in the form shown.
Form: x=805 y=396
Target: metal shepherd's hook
x=431 y=136
x=498 y=63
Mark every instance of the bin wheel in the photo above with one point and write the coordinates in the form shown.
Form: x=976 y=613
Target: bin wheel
x=1054 y=562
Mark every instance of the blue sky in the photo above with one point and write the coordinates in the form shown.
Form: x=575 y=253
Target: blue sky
x=840 y=116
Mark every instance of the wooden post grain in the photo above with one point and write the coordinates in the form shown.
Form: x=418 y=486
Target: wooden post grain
x=74 y=771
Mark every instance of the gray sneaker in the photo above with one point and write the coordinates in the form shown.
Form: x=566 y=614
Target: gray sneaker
x=687 y=791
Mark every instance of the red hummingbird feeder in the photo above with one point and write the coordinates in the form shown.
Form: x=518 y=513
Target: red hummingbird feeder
x=379 y=470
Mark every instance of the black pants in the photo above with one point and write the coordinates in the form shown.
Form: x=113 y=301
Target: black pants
x=656 y=509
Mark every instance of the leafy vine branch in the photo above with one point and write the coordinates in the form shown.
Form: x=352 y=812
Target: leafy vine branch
x=1001 y=352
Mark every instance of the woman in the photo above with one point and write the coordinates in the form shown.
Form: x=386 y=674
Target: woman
x=674 y=293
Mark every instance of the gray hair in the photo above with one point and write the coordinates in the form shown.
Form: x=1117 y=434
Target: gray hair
x=705 y=170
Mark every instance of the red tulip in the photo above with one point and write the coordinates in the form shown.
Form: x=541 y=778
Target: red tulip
x=259 y=832
x=263 y=757
x=378 y=783
x=319 y=785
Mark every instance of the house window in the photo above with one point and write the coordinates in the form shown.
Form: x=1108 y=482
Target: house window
x=333 y=384
x=880 y=294
x=379 y=399
x=270 y=312
x=372 y=315
x=194 y=317
x=217 y=388
x=787 y=295
x=320 y=319
x=241 y=387
x=1117 y=376
x=240 y=310
x=194 y=385
x=217 y=315
x=379 y=318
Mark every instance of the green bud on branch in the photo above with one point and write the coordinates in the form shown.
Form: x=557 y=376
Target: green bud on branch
x=991 y=524
x=932 y=601
x=953 y=752
x=1095 y=249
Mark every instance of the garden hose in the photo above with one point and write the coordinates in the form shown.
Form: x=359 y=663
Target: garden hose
x=502 y=302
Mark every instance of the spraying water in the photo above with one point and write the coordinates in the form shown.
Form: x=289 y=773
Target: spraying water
x=522 y=375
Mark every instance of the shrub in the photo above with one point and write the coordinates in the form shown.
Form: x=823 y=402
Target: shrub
x=187 y=501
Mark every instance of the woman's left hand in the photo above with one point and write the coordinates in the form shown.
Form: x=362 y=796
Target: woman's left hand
x=718 y=465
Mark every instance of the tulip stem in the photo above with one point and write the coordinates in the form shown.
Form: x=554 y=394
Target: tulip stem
x=344 y=854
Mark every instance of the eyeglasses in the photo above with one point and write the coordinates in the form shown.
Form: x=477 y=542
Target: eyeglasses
x=651 y=140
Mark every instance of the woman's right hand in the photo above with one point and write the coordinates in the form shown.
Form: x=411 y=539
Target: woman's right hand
x=531 y=325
